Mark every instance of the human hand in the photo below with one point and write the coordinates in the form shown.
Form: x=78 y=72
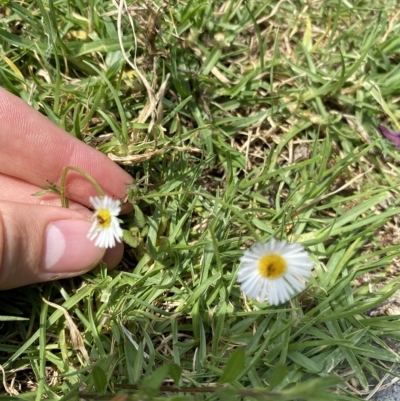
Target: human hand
x=39 y=240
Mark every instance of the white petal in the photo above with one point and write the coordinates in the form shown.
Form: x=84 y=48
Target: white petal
x=273 y=298
x=295 y=283
x=262 y=294
x=251 y=287
x=246 y=271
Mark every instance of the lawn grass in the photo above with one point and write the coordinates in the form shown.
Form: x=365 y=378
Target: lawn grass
x=266 y=126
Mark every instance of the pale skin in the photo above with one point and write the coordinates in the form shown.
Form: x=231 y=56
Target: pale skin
x=39 y=240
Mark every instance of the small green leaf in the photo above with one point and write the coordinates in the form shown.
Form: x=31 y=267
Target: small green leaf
x=175 y=372
x=155 y=380
x=130 y=239
x=227 y=393
x=313 y=389
x=139 y=217
x=100 y=379
x=278 y=375
x=40 y=193
x=233 y=367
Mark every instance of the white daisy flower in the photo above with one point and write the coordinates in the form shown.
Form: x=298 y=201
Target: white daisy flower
x=275 y=269
x=105 y=222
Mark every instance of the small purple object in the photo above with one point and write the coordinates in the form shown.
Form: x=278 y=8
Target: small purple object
x=392 y=136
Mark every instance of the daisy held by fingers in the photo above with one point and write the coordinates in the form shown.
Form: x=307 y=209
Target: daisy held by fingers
x=276 y=270
x=105 y=228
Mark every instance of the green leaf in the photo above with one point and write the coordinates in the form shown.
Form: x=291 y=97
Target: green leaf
x=175 y=372
x=227 y=394
x=139 y=217
x=312 y=389
x=100 y=379
x=211 y=60
x=130 y=239
x=156 y=379
x=278 y=375
x=233 y=367
x=11 y=318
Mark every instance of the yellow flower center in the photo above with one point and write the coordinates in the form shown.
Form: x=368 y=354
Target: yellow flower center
x=272 y=266
x=103 y=218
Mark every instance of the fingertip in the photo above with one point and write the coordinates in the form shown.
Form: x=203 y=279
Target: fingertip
x=67 y=248
x=128 y=207
x=43 y=243
x=113 y=256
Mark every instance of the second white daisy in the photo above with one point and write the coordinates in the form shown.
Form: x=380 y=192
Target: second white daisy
x=276 y=270
x=105 y=228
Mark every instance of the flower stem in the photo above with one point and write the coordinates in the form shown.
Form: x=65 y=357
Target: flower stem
x=64 y=200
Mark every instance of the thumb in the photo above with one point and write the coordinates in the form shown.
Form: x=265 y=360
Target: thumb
x=43 y=243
